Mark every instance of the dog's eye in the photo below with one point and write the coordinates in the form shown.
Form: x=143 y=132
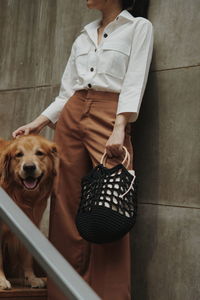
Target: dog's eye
x=19 y=154
x=39 y=153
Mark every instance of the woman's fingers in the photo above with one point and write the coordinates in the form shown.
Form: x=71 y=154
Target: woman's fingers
x=109 y=153
x=24 y=130
x=114 y=150
x=18 y=133
x=33 y=127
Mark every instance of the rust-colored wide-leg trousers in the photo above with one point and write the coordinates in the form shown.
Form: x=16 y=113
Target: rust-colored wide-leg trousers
x=82 y=131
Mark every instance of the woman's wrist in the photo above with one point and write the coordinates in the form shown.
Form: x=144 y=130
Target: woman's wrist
x=41 y=121
x=121 y=121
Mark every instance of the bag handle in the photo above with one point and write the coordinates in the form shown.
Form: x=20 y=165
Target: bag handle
x=125 y=160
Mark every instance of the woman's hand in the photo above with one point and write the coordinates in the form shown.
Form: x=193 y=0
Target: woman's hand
x=114 y=145
x=33 y=127
x=115 y=142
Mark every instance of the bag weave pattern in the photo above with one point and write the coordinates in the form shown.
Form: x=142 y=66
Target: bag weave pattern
x=108 y=204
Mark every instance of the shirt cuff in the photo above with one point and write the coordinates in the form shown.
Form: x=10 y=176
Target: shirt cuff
x=52 y=112
x=134 y=112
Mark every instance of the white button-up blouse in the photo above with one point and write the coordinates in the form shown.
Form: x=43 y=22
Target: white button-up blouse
x=120 y=63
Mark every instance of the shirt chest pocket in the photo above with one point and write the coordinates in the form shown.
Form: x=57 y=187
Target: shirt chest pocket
x=113 y=59
x=81 y=59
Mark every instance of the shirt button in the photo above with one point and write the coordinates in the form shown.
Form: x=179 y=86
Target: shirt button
x=91 y=69
x=89 y=85
x=105 y=35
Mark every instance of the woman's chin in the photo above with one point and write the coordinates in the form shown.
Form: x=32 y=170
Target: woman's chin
x=90 y=4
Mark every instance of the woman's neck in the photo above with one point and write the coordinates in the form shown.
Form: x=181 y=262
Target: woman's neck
x=109 y=15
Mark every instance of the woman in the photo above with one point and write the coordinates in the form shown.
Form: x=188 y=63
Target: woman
x=101 y=92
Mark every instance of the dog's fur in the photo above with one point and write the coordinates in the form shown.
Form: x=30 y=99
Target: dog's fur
x=27 y=171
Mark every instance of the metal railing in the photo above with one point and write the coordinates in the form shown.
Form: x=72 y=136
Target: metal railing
x=57 y=268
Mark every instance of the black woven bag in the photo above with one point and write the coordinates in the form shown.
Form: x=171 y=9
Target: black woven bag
x=108 y=204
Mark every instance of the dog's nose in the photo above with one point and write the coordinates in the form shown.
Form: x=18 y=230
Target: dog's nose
x=29 y=168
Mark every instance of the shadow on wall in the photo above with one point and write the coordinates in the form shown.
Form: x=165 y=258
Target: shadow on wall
x=146 y=164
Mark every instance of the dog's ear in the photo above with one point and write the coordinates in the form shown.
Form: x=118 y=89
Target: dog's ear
x=54 y=154
x=54 y=150
x=5 y=159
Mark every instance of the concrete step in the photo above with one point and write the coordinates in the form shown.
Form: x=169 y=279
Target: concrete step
x=18 y=292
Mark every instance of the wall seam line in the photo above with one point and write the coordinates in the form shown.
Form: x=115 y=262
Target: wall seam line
x=161 y=204
x=176 y=68
x=29 y=88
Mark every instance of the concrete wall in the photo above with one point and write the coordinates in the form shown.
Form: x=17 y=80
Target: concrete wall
x=166 y=240
x=35 y=41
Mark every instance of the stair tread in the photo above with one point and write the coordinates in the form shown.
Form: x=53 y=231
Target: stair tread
x=23 y=291
x=19 y=291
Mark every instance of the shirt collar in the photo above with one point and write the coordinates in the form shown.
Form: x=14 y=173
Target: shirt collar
x=92 y=25
x=123 y=15
x=126 y=15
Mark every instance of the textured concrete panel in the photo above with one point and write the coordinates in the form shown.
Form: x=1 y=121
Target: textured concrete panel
x=26 y=42
x=21 y=107
x=176 y=25
x=36 y=38
x=165 y=253
x=7 y=110
x=167 y=139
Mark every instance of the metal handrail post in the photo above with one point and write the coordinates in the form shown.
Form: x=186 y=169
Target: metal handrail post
x=57 y=268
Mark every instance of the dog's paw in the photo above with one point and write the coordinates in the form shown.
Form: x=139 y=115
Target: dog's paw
x=35 y=282
x=4 y=284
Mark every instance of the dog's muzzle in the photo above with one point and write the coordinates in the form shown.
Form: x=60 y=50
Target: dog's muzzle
x=30 y=180
x=29 y=168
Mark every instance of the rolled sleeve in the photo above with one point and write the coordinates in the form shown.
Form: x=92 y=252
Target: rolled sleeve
x=53 y=111
x=134 y=83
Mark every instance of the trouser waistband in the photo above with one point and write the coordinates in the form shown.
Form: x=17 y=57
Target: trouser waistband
x=97 y=94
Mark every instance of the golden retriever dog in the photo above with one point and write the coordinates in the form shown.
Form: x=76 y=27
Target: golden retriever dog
x=27 y=171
